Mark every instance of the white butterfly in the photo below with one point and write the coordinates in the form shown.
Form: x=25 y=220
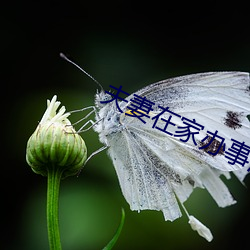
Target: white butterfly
x=158 y=171
x=155 y=170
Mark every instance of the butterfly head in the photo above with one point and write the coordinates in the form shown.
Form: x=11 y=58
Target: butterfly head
x=101 y=99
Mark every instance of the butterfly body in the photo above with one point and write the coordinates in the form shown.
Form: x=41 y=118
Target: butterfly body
x=109 y=118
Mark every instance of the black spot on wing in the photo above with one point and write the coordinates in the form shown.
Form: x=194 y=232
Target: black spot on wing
x=233 y=119
x=248 y=89
x=191 y=181
x=212 y=147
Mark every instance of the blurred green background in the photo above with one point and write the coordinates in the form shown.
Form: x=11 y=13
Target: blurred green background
x=119 y=43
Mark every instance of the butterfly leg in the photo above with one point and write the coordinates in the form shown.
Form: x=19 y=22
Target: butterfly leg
x=96 y=152
x=81 y=129
x=91 y=155
x=86 y=116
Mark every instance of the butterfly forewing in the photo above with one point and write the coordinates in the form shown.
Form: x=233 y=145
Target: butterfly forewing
x=220 y=101
x=154 y=166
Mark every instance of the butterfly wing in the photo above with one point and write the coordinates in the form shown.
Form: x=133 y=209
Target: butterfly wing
x=153 y=167
x=153 y=170
x=143 y=186
x=220 y=101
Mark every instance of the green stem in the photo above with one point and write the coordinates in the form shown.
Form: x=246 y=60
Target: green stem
x=54 y=177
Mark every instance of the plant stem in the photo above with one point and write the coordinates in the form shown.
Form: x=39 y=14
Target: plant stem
x=54 y=177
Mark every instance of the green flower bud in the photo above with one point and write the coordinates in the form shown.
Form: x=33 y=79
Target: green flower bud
x=55 y=144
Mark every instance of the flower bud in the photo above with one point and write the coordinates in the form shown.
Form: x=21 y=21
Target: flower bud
x=55 y=144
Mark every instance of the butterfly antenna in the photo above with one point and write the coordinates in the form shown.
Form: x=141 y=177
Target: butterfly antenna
x=68 y=60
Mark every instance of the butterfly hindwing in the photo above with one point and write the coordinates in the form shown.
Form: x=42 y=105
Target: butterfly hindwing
x=142 y=183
